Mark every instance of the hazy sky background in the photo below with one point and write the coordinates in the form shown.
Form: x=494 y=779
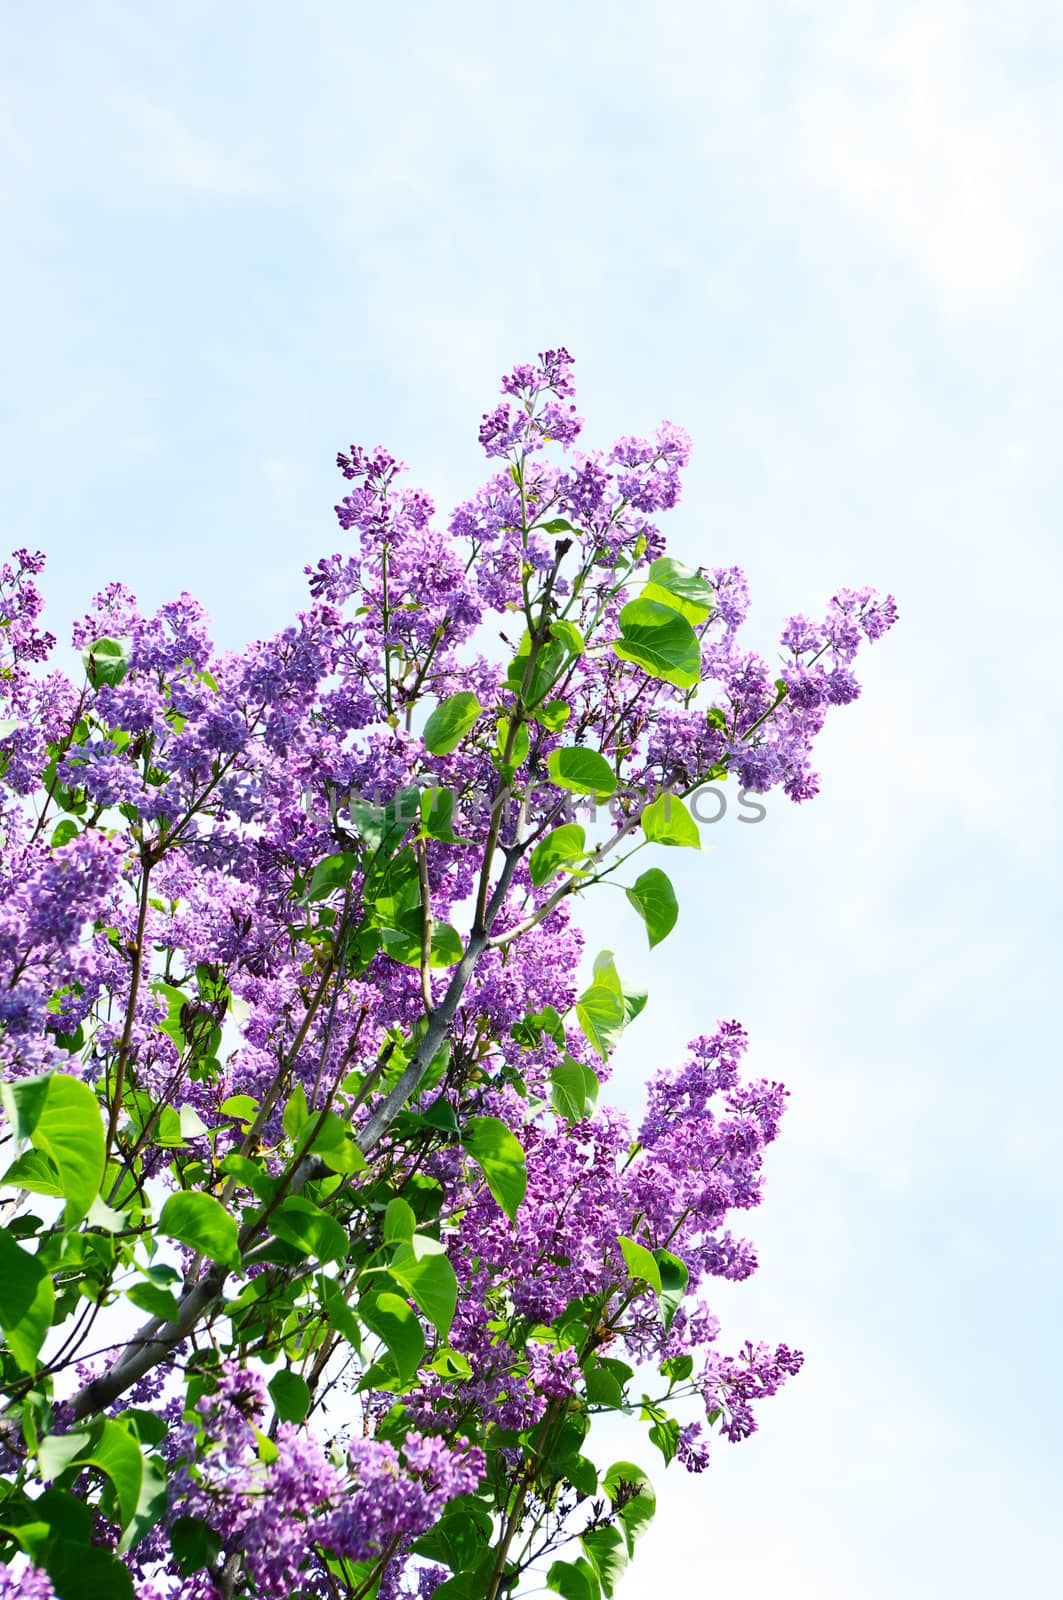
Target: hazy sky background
x=827 y=239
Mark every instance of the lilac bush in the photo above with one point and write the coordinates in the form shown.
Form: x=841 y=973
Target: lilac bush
x=319 y=1254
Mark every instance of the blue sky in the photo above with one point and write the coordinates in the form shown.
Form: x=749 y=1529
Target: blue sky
x=827 y=239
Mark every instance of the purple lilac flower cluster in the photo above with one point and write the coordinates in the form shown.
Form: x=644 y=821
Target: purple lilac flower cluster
x=31 y=1584
x=698 y=1157
x=287 y=1514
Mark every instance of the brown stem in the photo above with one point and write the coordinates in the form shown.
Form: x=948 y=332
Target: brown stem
x=225 y=1576
x=516 y=1511
x=153 y=1343
x=131 y=1006
x=60 y=753
x=517 y=717
x=255 y=1227
x=572 y=885
x=413 y=1076
x=366 y=1587
x=144 y=1137
x=284 y=1066
x=155 y=1339
x=427 y=925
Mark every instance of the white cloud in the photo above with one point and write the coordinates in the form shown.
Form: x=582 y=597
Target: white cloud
x=189 y=159
x=907 y=117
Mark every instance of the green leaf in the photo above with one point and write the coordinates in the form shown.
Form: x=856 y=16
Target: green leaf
x=640 y=1262
x=398 y=890
x=153 y=1299
x=422 y=1269
x=58 y=1450
x=521 y=743
x=654 y=899
x=450 y=722
x=339 y=1314
x=606 y=1548
x=632 y=1493
x=117 y=1455
x=673 y=1287
x=667 y=821
x=660 y=641
x=550 y=662
x=151 y=1428
x=112 y=1449
x=27 y=1301
x=395 y=819
x=565 y=1461
x=296 y=1113
x=333 y=873
x=451 y=1364
x=399 y=1221
x=680 y=587
x=191 y=1123
x=241 y=1106
x=604 y=1381
x=65 y=830
x=195 y=1545
x=567 y=634
x=406 y=942
x=392 y=1320
x=309 y=1228
x=33 y=1171
x=87 y=1572
x=105 y=1218
x=328 y=1129
x=574 y=1089
x=677 y=1368
x=498 y=1154
x=437 y=816
x=529 y=1031
x=25 y=1226
x=581 y=771
x=573 y=1580
x=569 y=1441
x=553 y=715
x=462 y=1586
x=582 y=1474
x=460 y=1537
x=61 y=1117
x=176 y=1000
x=290 y=1394
x=343 y=1155
x=72 y=1043
x=267 y=1451
x=202 y=1223
x=600 y=1013
x=54 y=1515
x=106 y=661
x=665 y=1435
x=605 y=971
x=439 y=1115
x=250 y=1174
x=565 y=844
x=151 y=1504
x=168 y=1133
